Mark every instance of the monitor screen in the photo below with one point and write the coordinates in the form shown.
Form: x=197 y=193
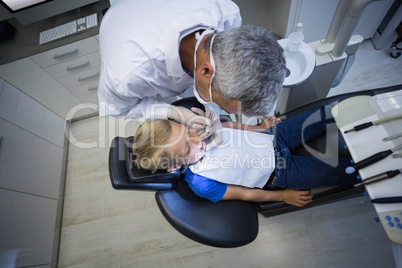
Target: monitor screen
x=18 y=5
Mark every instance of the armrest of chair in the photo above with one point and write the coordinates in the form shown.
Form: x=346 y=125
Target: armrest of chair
x=224 y=224
x=321 y=196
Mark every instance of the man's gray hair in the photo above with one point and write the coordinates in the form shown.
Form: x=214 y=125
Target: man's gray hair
x=250 y=67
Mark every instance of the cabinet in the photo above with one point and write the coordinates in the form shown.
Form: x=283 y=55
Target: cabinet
x=60 y=78
x=31 y=179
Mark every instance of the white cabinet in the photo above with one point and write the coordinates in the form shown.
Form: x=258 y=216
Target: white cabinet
x=74 y=66
x=67 y=52
x=80 y=78
x=31 y=167
x=60 y=78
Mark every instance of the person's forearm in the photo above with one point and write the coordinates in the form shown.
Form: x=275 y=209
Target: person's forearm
x=292 y=197
x=266 y=196
x=236 y=125
x=234 y=192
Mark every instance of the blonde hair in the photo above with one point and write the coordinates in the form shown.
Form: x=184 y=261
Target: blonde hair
x=150 y=146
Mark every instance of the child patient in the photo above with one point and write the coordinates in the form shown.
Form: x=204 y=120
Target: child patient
x=243 y=165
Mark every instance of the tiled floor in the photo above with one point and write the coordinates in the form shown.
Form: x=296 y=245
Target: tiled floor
x=372 y=69
x=103 y=227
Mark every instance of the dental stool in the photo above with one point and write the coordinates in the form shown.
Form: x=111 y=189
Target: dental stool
x=224 y=224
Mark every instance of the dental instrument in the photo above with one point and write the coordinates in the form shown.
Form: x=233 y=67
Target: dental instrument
x=207 y=129
x=368 y=161
x=372 y=159
x=374 y=123
x=393 y=137
x=384 y=200
x=379 y=177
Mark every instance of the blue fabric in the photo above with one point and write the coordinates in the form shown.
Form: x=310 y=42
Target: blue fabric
x=205 y=187
x=304 y=172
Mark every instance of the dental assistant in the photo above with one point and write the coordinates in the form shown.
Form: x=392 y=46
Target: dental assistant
x=153 y=51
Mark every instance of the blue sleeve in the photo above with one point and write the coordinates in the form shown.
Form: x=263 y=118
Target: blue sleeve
x=205 y=187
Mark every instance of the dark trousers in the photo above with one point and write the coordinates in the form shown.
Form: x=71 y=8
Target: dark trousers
x=305 y=172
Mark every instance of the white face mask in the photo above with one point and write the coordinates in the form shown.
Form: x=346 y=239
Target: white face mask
x=215 y=108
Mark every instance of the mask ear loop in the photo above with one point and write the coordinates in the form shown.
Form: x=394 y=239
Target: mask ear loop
x=211 y=59
x=199 y=38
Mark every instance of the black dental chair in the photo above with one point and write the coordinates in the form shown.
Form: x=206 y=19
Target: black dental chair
x=225 y=224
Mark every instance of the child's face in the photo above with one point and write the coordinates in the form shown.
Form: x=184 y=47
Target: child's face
x=186 y=145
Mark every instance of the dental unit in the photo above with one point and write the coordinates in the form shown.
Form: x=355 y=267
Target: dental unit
x=333 y=57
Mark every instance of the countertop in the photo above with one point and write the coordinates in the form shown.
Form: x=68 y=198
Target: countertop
x=25 y=40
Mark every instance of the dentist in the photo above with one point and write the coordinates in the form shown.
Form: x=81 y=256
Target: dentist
x=153 y=51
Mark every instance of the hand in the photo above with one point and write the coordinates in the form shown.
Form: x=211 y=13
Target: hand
x=267 y=123
x=297 y=198
x=216 y=129
x=270 y=121
x=188 y=118
x=208 y=131
x=208 y=113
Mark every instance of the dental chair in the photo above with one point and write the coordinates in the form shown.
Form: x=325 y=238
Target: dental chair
x=225 y=224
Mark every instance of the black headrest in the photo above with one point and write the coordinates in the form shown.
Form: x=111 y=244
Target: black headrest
x=136 y=174
x=126 y=176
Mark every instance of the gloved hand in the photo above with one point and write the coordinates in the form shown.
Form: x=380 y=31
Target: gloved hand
x=200 y=112
x=215 y=138
x=208 y=131
x=186 y=117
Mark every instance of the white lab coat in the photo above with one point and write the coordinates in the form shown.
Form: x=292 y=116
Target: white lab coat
x=139 y=45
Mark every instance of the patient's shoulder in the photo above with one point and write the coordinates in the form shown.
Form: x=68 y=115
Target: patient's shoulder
x=205 y=187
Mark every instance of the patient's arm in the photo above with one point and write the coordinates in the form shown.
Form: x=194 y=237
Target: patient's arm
x=267 y=123
x=292 y=197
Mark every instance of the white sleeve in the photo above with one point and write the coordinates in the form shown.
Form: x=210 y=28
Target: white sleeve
x=228 y=14
x=136 y=96
x=111 y=104
x=148 y=108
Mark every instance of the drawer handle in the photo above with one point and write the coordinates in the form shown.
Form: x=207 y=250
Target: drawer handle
x=92 y=88
x=70 y=68
x=75 y=50
x=1 y=139
x=88 y=77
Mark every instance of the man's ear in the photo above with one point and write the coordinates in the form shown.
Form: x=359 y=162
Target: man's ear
x=173 y=168
x=206 y=69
